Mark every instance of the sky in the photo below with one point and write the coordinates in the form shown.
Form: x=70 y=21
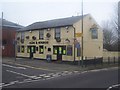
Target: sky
x=26 y=12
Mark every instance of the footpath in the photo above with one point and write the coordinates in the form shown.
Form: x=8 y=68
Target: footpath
x=53 y=66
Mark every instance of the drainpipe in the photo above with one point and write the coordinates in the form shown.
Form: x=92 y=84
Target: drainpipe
x=74 y=44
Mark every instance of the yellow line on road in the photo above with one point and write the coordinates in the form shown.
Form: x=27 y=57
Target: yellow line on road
x=33 y=67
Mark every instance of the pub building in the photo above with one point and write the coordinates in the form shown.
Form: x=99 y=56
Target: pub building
x=60 y=39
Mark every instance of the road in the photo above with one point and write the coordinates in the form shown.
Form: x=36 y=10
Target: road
x=15 y=76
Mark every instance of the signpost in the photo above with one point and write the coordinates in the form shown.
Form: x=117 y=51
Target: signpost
x=78 y=34
x=77 y=45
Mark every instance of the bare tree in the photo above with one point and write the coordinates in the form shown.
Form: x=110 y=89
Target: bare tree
x=111 y=30
x=109 y=38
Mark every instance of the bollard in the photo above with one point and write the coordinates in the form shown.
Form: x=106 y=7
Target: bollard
x=86 y=62
x=102 y=61
x=94 y=61
x=114 y=59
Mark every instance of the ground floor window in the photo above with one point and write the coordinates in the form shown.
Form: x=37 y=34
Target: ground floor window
x=54 y=50
x=28 y=49
x=59 y=50
x=41 y=49
x=64 y=50
x=22 y=49
x=69 y=50
x=78 y=52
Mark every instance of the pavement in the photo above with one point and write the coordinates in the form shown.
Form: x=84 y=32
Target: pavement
x=42 y=64
x=52 y=66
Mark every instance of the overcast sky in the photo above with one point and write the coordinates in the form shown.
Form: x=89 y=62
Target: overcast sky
x=25 y=12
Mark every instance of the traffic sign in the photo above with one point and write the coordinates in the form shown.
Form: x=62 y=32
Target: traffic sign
x=78 y=34
x=77 y=45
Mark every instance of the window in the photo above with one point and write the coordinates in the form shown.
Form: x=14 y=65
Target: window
x=28 y=49
x=69 y=50
x=78 y=52
x=57 y=33
x=22 y=37
x=41 y=34
x=22 y=49
x=4 y=42
x=33 y=49
x=54 y=50
x=41 y=50
x=94 y=33
x=36 y=48
x=18 y=48
x=64 y=50
x=59 y=50
x=49 y=49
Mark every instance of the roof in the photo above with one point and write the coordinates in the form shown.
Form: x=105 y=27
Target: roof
x=53 y=23
x=7 y=23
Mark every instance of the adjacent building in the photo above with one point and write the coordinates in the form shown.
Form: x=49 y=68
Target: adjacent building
x=8 y=37
x=60 y=39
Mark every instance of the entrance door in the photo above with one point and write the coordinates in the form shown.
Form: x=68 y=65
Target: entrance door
x=59 y=53
x=31 y=50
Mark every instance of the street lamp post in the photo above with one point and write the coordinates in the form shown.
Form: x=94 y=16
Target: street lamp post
x=82 y=34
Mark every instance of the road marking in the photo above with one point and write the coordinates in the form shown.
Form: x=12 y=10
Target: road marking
x=50 y=74
x=11 y=83
x=35 y=67
x=13 y=66
x=42 y=75
x=37 y=77
x=1 y=84
x=116 y=85
x=27 y=79
x=75 y=71
x=46 y=76
x=20 y=74
x=113 y=86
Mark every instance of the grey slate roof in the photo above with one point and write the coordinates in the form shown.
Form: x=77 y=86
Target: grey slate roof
x=53 y=23
x=7 y=23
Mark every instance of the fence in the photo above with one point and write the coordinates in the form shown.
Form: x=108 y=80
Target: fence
x=100 y=61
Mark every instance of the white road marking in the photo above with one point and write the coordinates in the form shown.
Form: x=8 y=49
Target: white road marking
x=13 y=66
x=50 y=74
x=37 y=77
x=27 y=79
x=84 y=71
x=75 y=71
x=42 y=75
x=46 y=76
x=113 y=86
x=20 y=74
x=116 y=85
x=1 y=84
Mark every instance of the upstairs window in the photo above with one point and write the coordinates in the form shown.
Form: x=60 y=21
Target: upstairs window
x=41 y=34
x=94 y=33
x=57 y=33
x=22 y=37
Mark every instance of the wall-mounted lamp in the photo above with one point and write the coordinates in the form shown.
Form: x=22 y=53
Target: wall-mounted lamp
x=48 y=29
x=66 y=27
